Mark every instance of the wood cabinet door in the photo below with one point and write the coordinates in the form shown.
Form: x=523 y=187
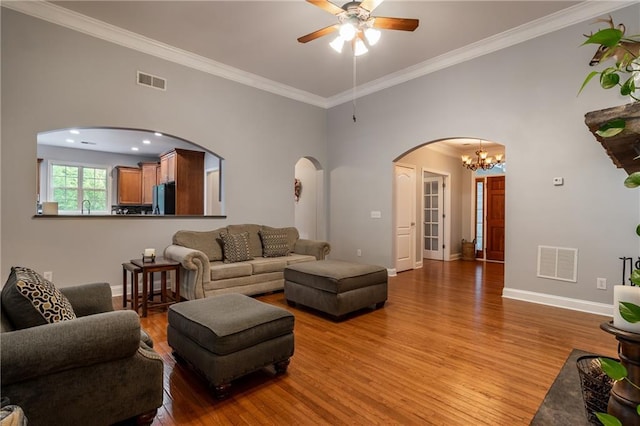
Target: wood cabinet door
x=149 y=180
x=168 y=167
x=129 y=185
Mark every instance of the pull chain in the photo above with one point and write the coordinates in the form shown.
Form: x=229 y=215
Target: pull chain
x=354 y=88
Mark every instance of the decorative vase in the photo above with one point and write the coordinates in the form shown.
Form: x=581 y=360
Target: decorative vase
x=624 y=396
x=625 y=293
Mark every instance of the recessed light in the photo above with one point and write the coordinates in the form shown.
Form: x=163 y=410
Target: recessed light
x=70 y=140
x=135 y=148
x=158 y=134
x=146 y=141
x=74 y=132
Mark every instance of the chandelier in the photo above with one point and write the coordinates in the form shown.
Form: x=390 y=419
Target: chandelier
x=482 y=160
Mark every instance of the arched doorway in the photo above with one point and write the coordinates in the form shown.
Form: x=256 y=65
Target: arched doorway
x=447 y=206
x=308 y=212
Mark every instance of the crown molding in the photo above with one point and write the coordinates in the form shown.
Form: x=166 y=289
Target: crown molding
x=75 y=21
x=67 y=18
x=556 y=21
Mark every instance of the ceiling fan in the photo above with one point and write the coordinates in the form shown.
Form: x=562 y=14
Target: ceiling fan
x=356 y=25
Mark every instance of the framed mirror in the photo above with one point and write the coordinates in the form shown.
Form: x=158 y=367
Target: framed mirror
x=104 y=171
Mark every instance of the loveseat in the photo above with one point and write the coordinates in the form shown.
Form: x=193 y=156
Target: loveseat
x=212 y=265
x=96 y=369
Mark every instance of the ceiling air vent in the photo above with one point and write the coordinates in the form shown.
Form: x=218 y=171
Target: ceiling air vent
x=153 y=81
x=558 y=263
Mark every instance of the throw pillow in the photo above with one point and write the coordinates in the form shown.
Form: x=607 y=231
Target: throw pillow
x=30 y=300
x=274 y=242
x=236 y=247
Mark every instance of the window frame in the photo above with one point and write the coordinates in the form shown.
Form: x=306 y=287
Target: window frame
x=51 y=163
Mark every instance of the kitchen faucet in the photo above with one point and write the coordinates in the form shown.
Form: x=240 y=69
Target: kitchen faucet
x=88 y=206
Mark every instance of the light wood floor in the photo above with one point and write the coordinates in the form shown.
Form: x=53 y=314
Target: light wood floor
x=446 y=349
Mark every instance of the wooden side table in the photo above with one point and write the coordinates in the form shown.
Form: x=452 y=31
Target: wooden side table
x=163 y=266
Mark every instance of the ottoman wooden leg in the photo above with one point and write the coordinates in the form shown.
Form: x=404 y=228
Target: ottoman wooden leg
x=221 y=391
x=281 y=366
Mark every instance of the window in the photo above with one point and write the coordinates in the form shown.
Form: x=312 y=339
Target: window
x=71 y=185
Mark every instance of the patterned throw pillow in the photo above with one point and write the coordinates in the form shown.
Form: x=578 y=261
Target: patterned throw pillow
x=30 y=300
x=236 y=247
x=274 y=242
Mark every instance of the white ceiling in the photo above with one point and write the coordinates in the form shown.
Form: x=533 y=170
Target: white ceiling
x=260 y=37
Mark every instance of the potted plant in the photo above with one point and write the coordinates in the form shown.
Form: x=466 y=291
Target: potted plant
x=629 y=314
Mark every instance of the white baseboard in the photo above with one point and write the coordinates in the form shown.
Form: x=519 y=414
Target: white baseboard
x=116 y=290
x=392 y=272
x=418 y=265
x=559 y=301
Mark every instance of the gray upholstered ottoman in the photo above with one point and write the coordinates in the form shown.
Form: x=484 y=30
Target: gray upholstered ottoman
x=335 y=287
x=225 y=337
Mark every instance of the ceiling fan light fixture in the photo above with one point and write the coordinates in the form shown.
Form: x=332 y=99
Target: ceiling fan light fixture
x=347 y=31
x=359 y=48
x=337 y=44
x=372 y=35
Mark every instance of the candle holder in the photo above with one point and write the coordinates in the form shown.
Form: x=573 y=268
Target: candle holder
x=149 y=259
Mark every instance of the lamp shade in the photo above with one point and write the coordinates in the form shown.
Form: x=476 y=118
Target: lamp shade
x=372 y=35
x=359 y=48
x=337 y=44
x=347 y=31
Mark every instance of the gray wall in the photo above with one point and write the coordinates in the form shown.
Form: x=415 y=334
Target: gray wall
x=523 y=97
x=55 y=78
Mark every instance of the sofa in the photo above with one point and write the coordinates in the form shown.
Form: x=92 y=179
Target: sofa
x=253 y=264
x=98 y=368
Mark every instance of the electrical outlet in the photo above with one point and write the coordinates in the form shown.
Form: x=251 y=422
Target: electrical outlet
x=48 y=275
x=601 y=283
x=359 y=252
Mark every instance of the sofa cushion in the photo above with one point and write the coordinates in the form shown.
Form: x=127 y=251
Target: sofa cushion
x=208 y=242
x=262 y=265
x=255 y=243
x=274 y=242
x=298 y=258
x=236 y=247
x=29 y=300
x=221 y=270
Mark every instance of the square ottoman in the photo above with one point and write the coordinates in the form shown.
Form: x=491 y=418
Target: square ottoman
x=335 y=287
x=225 y=337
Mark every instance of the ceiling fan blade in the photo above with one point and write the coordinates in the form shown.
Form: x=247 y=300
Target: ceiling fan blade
x=327 y=5
x=403 y=24
x=370 y=4
x=319 y=33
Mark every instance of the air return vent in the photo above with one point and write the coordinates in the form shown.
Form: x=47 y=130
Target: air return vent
x=558 y=263
x=153 y=81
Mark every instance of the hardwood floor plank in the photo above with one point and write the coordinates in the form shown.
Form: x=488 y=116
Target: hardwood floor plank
x=445 y=349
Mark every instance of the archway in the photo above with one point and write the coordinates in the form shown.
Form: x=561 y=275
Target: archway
x=308 y=198
x=440 y=161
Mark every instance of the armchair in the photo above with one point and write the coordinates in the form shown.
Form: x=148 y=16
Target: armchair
x=97 y=369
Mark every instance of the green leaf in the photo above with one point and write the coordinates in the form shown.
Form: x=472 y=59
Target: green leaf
x=587 y=80
x=638 y=409
x=638 y=230
x=611 y=128
x=613 y=369
x=609 y=78
x=628 y=87
x=608 y=37
x=608 y=419
x=630 y=311
x=633 y=180
x=635 y=277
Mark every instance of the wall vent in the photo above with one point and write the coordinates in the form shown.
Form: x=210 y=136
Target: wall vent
x=146 y=79
x=558 y=263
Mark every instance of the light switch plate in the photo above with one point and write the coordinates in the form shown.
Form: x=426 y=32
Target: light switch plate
x=558 y=181
x=375 y=214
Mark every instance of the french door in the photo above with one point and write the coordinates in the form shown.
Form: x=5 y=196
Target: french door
x=433 y=229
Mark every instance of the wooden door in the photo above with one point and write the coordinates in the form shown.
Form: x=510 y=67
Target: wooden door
x=495 y=189
x=405 y=194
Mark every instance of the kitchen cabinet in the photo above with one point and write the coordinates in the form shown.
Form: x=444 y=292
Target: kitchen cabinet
x=186 y=169
x=148 y=181
x=129 y=185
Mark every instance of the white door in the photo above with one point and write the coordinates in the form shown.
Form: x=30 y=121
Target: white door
x=432 y=222
x=405 y=192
